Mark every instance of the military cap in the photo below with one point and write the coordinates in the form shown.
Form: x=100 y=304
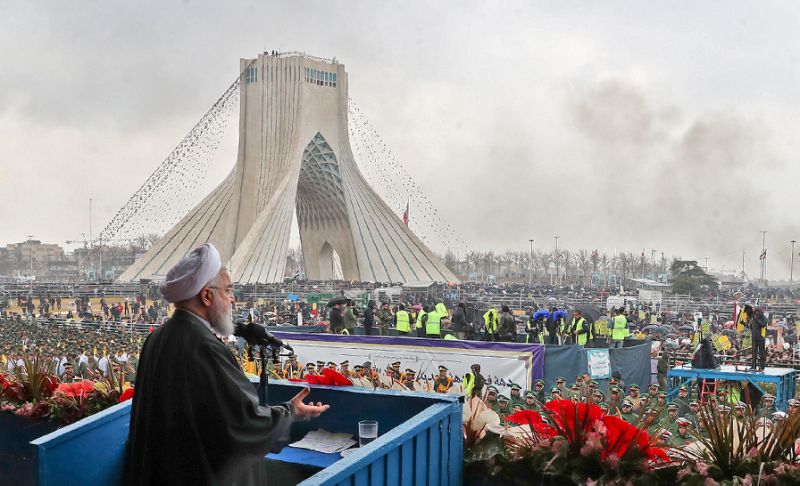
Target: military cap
x=741 y=405
x=613 y=379
x=409 y=371
x=330 y=363
x=592 y=383
x=779 y=415
x=530 y=393
x=320 y=363
x=502 y=398
x=627 y=403
x=561 y=379
x=441 y=368
x=614 y=389
x=345 y=362
x=358 y=367
x=575 y=386
x=310 y=365
x=769 y=396
x=662 y=394
x=491 y=389
x=793 y=402
x=634 y=387
x=683 y=387
x=673 y=406
x=694 y=402
x=555 y=389
x=397 y=363
x=540 y=381
x=515 y=386
x=682 y=422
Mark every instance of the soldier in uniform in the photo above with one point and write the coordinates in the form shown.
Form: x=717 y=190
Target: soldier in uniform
x=691 y=416
x=683 y=436
x=530 y=401
x=491 y=396
x=683 y=400
x=443 y=382
x=767 y=406
x=344 y=368
x=627 y=412
x=516 y=398
x=615 y=400
x=668 y=420
x=538 y=389
x=561 y=383
x=291 y=367
x=794 y=406
x=409 y=379
x=633 y=396
x=555 y=393
x=395 y=371
x=503 y=408
x=597 y=397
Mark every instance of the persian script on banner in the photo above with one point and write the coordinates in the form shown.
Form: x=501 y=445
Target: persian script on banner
x=599 y=363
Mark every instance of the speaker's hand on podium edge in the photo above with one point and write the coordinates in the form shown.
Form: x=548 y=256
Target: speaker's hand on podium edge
x=304 y=411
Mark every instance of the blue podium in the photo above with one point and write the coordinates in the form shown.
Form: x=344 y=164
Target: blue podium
x=420 y=442
x=784 y=379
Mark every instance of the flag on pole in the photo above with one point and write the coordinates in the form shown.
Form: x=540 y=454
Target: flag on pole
x=405 y=215
x=763 y=255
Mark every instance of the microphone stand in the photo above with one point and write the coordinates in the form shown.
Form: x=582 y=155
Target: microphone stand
x=263 y=377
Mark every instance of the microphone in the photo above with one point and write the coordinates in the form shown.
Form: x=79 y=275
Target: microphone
x=257 y=335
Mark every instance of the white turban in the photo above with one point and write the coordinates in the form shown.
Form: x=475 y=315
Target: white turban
x=191 y=274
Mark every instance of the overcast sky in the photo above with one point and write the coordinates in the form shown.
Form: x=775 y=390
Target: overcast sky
x=628 y=125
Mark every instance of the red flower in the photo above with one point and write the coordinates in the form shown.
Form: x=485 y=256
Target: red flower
x=297 y=380
x=337 y=378
x=571 y=419
x=126 y=395
x=534 y=420
x=619 y=435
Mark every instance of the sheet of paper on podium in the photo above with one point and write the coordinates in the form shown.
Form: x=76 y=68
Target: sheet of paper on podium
x=323 y=441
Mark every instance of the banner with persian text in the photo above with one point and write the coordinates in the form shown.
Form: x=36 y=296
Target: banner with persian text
x=501 y=363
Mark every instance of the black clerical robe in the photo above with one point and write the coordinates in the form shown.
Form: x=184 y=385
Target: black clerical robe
x=195 y=417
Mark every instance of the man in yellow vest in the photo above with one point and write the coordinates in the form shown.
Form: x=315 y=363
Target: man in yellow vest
x=419 y=320
x=619 y=328
x=433 y=325
x=490 y=320
x=402 y=321
x=581 y=329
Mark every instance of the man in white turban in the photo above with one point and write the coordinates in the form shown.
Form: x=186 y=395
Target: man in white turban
x=195 y=417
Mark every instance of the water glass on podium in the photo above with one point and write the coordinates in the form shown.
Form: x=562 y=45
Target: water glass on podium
x=367 y=432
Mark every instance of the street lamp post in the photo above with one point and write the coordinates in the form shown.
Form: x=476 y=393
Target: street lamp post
x=530 y=264
x=791 y=267
x=557 y=269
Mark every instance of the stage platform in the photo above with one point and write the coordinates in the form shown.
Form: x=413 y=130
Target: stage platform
x=785 y=379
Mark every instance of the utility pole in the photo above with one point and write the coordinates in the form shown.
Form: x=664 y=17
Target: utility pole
x=791 y=267
x=706 y=258
x=530 y=264
x=653 y=257
x=557 y=258
x=763 y=257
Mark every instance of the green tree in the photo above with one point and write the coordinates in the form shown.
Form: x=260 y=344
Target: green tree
x=687 y=277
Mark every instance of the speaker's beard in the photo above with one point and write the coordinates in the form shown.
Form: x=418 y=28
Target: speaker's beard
x=221 y=319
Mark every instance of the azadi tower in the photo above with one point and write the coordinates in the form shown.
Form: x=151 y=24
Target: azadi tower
x=294 y=155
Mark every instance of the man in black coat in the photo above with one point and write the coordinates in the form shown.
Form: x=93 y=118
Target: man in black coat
x=369 y=317
x=757 y=324
x=195 y=417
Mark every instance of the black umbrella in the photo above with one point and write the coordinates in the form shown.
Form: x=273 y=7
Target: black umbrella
x=589 y=313
x=339 y=299
x=686 y=328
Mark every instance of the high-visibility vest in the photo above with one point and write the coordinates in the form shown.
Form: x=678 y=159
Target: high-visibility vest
x=619 y=329
x=433 y=324
x=442 y=309
x=578 y=326
x=467 y=384
x=490 y=320
x=419 y=319
x=403 y=321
